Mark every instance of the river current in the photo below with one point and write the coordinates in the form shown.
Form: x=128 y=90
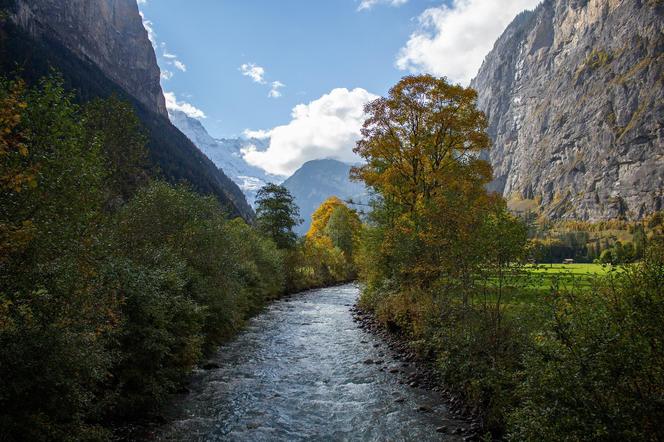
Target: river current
x=300 y=371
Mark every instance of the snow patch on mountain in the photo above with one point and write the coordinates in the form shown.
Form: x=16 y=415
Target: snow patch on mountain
x=227 y=154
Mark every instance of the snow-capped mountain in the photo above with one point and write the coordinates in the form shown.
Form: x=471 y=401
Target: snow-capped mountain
x=226 y=154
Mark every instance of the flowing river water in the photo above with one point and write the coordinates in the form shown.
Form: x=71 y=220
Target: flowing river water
x=300 y=371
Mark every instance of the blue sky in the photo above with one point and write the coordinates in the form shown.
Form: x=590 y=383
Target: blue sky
x=221 y=58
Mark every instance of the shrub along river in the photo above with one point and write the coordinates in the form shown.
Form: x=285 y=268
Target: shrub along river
x=304 y=370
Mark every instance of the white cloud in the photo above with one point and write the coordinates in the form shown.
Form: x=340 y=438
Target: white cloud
x=368 y=4
x=327 y=127
x=180 y=66
x=168 y=58
x=173 y=59
x=275 y=92
x=141 y=2
x=453 y=40
x=173 y=104
x=256 y=73
x=257 y=134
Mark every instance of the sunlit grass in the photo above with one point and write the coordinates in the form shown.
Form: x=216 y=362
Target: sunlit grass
x=573 y=269
x=526 y=291
x=546 y=277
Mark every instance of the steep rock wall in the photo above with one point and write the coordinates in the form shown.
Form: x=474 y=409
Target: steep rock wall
x=109 y=33
x=574 y=93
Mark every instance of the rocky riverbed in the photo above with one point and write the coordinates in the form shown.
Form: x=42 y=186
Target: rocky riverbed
x=418 y=372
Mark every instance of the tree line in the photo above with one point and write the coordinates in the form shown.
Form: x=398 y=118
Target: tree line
x=114 y=284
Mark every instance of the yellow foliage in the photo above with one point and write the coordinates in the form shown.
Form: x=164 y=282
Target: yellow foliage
x=16 y=172
x=321 y=216
x=328 y=248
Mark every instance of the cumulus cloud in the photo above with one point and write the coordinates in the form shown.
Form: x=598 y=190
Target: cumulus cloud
x=173 y=104
x=453 y=40
x=166 y=75
x=327 y=127
x=368 y=4
x=274 y=91
x=256 y=73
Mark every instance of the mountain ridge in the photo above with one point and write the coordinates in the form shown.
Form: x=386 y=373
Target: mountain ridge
x=317 y=180
x=227 y=154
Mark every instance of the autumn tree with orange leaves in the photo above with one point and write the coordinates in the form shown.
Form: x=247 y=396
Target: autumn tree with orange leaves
x=421 y=146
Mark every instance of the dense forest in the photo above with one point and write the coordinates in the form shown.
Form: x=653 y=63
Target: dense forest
x=114 y=284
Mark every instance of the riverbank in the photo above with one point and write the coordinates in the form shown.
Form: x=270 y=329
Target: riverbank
x=304 y=369
x=145 y=428
x=420 y=373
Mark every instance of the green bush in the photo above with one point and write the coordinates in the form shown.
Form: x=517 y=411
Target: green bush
x=111 y=288
x=596 y=372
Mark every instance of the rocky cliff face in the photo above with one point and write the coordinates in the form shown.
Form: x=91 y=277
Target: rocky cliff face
x=109 y=33
x=574 y=93
x=101 y=48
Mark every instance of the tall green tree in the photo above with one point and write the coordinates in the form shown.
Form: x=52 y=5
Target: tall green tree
x=343 y=228
x=56 y=318
x=277 y=215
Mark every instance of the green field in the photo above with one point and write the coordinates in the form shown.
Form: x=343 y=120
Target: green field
x=546 y=276
x=528 y=290
x=574 y=269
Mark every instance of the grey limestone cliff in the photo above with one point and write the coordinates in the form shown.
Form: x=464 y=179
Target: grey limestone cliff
x=109 y=33
x=574 y=94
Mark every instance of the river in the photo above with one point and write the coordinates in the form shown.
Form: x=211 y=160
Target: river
x=298 y=371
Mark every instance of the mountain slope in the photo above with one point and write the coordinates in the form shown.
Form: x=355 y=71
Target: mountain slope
x=226 y=154
x=574 y=93
x=108 y=33
x=34 y=42
x=318 y=180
